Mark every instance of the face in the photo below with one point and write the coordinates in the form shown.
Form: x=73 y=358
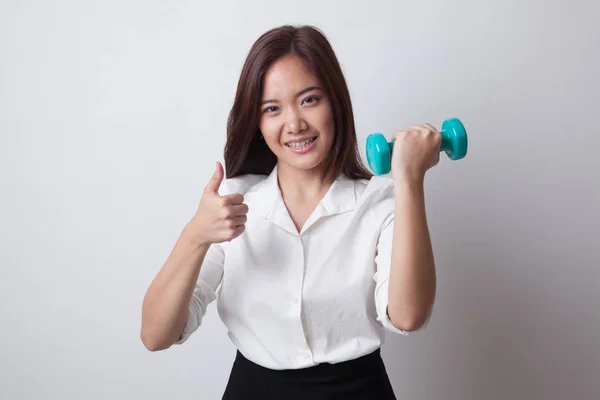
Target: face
x=296 y=117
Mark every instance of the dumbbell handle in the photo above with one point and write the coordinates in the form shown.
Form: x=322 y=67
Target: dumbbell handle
x=445 y=146
x=454 y=144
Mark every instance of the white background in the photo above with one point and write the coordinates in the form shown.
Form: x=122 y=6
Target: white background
x=113 y=113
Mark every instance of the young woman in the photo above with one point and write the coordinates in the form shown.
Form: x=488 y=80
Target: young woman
x=310 y=258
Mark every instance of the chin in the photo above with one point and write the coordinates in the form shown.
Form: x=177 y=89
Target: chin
x=303 y=163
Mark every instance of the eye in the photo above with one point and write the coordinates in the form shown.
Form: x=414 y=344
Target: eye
x=311 y=99
x=270 y=109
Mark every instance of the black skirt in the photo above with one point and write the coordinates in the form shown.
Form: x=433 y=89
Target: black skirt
x=362 y=379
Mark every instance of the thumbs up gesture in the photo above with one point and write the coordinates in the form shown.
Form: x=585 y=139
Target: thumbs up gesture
x=218 y=218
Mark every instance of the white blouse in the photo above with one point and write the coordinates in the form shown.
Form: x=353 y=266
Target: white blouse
x=294 y=299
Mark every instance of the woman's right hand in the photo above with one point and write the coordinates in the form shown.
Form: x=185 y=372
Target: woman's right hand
x=218 y=218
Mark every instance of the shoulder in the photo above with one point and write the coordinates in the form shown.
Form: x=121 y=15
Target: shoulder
x=242 y=184
x=376 y=189
x=376 y=198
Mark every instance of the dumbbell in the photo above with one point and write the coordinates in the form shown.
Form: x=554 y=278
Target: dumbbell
x=454 y=143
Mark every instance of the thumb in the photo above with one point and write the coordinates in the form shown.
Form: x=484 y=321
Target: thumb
x=215 y=181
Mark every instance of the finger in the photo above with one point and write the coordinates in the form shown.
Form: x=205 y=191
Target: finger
x=431 y=127
x=241 y=220
x=424 y=128
x=240 y=209
x=398 y=133
x=215 y=181
x=419 y=128
x=237 y=231
x=233 y=199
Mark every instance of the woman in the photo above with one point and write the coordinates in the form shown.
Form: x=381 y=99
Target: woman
x=309 y=257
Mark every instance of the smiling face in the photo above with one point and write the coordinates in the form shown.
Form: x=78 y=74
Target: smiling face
x=296 y=118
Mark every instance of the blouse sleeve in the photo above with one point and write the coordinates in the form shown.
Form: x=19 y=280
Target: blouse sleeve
x=205 y=292
x=383 y=260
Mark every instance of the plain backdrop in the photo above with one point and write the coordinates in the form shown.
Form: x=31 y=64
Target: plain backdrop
x=112 y=115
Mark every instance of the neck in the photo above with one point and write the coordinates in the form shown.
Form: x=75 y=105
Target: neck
x=302 y=184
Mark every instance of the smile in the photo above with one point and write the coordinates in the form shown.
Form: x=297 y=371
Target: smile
x=300 y=145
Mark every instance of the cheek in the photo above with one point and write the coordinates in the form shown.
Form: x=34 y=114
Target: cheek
x=326 y=123
x=270 y=131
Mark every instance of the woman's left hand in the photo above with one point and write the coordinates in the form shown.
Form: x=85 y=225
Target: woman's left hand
x=416 y=149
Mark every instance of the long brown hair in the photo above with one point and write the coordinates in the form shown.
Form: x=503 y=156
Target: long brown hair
x=245 y=151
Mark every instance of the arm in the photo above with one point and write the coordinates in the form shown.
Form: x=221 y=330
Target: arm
x=177 y=299
x=166 y=304
x=412 y=283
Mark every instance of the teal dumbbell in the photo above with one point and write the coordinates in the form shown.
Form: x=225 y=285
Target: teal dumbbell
x=454 y=143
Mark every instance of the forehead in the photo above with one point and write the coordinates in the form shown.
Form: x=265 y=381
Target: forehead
x=288 y=74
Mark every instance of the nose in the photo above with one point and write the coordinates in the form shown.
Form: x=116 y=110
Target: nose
x=294 y=123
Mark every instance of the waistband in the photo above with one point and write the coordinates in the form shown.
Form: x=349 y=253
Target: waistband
x=368 y=365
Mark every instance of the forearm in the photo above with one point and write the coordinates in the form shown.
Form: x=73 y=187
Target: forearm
x=412 y=281
x=166 y=304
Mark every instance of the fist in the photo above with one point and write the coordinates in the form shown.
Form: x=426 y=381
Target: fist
x=218 y=218
x=416 y=149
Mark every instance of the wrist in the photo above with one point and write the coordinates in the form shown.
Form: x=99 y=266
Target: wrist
x=191 y=237
x=409 y=182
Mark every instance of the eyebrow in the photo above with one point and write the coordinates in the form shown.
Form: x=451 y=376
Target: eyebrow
x=300 y=93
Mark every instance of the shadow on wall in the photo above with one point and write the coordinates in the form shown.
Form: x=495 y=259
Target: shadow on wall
x=511 y=320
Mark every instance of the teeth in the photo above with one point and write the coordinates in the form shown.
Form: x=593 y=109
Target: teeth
x=298 y=145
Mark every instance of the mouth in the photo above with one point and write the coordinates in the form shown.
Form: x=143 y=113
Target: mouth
x=299 y=145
